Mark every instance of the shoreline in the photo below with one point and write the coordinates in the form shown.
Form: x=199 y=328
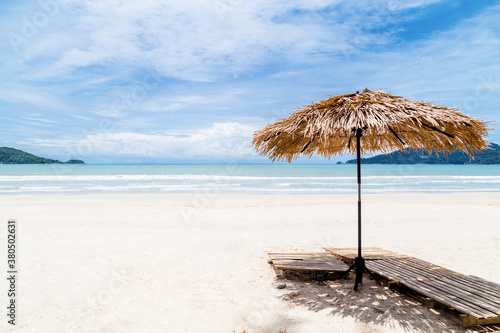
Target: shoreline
x=210 y=193
x=249 y=180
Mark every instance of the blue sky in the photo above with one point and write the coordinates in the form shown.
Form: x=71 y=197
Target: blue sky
x=129 y=81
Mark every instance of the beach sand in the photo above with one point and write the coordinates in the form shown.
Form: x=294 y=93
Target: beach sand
x=198 y=263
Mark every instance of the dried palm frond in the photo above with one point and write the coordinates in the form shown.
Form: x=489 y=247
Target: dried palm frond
x=385 y=123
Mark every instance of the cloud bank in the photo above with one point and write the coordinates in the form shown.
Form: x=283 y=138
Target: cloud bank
x=124 y=74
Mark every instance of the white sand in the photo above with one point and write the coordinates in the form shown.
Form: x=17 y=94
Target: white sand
x=191 y=263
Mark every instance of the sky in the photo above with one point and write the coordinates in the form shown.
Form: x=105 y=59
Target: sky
x=125 y=81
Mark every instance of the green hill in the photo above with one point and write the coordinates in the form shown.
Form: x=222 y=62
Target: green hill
x=16 y=156
x=489 y=156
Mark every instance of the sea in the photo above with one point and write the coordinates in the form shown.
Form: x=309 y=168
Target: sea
x=235 y=178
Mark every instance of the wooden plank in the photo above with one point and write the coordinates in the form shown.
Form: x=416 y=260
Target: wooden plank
x=424 y=265
x=307 y=261
x=476 y=292
x=421 y=265
x=398 y=270
x=325 y=265
x=440 y=298
x=312 y=267
x=453 y=295
x=311 y=261
x=473 y=293
x=404 y=269
x=322 y=266
x=473 y=285
x=369 y=253
x=297 y=256
x=388 y=272
x=439 y=287
x=468 y=321
x=317 y=260
x=305 y=264
x=490 y=305
x=479 y=314
x=379 y=267
x=486 y=282
x=490 y=288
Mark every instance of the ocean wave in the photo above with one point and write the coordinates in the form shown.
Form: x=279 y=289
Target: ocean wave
x=263 y=179
x=188 y=177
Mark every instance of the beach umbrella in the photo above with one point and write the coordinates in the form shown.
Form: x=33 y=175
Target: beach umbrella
x=369 y=122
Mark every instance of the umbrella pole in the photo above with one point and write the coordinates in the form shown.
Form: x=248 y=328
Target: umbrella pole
x=359 y=261
x=358 y=157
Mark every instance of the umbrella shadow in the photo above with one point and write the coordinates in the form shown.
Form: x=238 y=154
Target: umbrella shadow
x=373 y=304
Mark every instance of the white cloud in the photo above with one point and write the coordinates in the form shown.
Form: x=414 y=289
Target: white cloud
x=254 y=60
x=227 y=129
x=24 y=94
x=222 y=140
x=190 y=101
x=397 y=5
x=109 y=112
x=75 y=58
x=42 y=120
x=200 y=40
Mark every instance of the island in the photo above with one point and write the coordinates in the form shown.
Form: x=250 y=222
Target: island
x=490 y=156
x=15 y=156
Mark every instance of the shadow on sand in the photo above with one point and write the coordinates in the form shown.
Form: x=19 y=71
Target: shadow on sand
x=373 y=304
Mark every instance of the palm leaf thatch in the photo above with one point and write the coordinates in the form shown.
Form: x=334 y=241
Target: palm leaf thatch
x=385 y=123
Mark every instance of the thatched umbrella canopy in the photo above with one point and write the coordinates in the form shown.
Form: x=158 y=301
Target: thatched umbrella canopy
x=371 y=121
x=387 y=122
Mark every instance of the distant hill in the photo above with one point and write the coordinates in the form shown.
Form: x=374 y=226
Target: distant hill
x=489 y=156
x=16 y=156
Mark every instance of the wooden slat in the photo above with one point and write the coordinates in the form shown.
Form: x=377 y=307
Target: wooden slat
x=388 y=272
x=307 y=261
x=424 y=265
x=477 y=292
x=474 y=297
x=455 y=280
x=467 y=296
x=369 y=253
x=440 y=298
x=311 y=268
x=400 y=275
x=459 y=297
x=399 y=268
x=486 y=286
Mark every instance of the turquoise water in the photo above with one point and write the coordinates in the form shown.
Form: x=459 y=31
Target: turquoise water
x=246 y=179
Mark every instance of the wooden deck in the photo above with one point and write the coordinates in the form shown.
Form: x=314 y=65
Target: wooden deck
x=347 y=254
x=314 y=262
x=477 y=299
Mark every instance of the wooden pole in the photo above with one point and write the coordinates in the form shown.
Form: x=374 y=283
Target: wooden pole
x=359 y=261
x=358 y=157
